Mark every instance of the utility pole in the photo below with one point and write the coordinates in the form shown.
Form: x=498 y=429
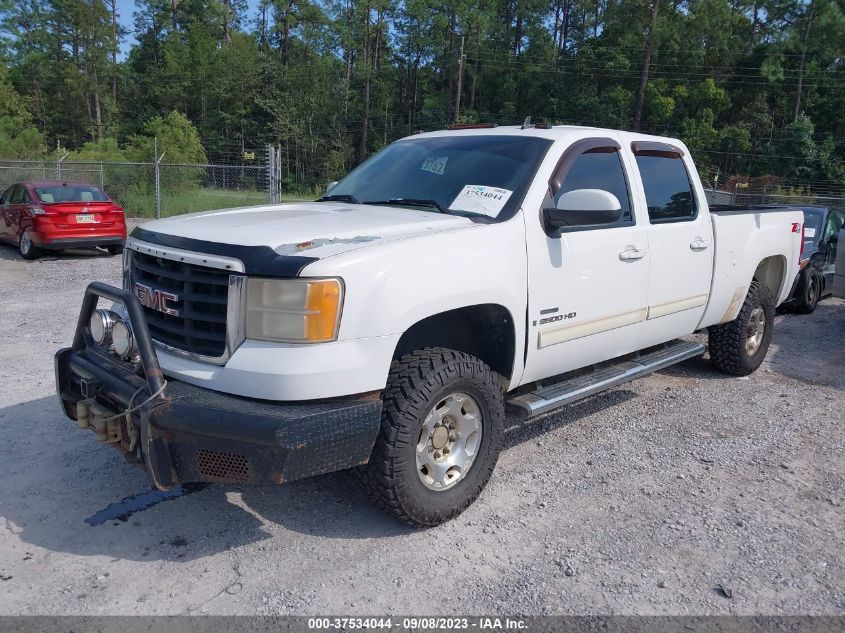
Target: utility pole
x=460 y=82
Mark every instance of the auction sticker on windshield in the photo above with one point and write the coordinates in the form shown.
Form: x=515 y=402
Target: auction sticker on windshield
x=481 y=199
x=435 y=165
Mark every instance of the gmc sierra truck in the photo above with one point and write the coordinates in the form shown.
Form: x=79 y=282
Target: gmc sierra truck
x=390 y=325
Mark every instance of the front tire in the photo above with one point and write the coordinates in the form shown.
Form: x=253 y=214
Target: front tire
x=441 y=427
x=809 y=290
x=115 y=250
x=27 y=249
x=739 y=347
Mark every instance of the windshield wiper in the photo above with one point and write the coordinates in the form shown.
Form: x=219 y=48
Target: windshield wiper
x=414 y=202
x=339 y=197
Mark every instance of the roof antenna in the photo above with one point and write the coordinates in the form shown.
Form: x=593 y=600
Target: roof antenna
x=527 y=123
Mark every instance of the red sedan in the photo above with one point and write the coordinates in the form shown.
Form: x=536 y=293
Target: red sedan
x=54 y=215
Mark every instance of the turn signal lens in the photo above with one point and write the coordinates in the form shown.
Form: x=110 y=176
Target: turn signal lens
x=293 y=310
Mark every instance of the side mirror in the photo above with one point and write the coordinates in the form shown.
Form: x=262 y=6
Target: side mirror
x=582 y=208
x=331 y=185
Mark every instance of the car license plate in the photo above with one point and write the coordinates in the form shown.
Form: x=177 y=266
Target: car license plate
x=85 y=218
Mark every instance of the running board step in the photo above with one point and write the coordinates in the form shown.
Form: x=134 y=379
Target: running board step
x=551 y=396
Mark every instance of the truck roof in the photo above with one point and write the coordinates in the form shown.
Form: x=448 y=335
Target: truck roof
x=557 y=132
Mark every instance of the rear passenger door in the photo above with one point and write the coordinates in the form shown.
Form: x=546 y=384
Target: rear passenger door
x=680 y=238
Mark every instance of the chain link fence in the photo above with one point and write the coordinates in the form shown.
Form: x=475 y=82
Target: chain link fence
x=715 y=196
x=150 y=189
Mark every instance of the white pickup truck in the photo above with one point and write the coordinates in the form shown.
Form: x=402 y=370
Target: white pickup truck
x=389 y=326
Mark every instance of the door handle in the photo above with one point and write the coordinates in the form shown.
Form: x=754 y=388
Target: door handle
x=631 y=254
x=699 y=244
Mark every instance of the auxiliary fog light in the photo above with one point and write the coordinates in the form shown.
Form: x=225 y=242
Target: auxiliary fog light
x=101 y=326
x=123 y=340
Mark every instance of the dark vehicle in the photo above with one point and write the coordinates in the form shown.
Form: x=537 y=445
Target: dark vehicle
x=815 y=277
x=54 y=215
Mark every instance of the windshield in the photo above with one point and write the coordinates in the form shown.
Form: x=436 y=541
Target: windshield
x=464 y=175
x=813 y=219
x=70 y=193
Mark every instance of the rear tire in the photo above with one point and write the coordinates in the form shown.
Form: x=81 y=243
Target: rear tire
x=27 y=249
x=430 y=394
x=809 y=290
x=114 y=250
x=739 y=347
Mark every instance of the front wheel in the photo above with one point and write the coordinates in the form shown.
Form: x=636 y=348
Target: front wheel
x=439 y=439
x=115 y=250
x=27 y=249
x=739 y=346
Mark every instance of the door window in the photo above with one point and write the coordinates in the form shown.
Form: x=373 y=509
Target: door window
x=19 y=195
x=834 y=225
x=600 y=168
x=668 y=190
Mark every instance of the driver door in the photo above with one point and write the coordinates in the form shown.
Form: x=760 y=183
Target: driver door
x=588 y=287
x=830 y=241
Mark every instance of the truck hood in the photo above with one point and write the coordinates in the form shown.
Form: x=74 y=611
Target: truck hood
x=313 y=229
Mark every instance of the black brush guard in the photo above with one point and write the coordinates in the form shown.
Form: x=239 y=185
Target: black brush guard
x=191 y=434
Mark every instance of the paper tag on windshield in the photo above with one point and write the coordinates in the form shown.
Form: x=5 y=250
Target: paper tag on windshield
x=808 y=232
x=435 y=165
x=481 y=199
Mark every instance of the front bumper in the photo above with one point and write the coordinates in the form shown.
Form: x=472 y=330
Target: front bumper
x=190 y=434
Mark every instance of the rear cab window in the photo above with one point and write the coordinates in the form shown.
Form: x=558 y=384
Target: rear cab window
x=666 y=182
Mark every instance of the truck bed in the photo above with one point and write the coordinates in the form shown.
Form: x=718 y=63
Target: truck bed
x=745 y=239
x=732 y=209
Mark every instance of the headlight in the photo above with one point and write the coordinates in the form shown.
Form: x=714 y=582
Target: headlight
x=293 y=310
x=101 y=324
x=123 y=340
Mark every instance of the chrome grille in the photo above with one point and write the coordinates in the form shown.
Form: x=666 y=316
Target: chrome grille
x=203 y=296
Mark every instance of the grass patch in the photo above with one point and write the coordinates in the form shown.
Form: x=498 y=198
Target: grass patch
x=140 y=202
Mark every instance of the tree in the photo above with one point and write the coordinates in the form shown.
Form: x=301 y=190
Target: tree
x=19 y=138
x=332 y=81
x=173 y=135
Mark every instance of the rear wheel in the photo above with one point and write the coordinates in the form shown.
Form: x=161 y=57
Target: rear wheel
x=439 y=440
x=809 y=290
x=27 y=249
x=739 y=347
x=115 y=250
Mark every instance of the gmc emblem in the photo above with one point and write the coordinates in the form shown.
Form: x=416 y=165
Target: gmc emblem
x=155 y=299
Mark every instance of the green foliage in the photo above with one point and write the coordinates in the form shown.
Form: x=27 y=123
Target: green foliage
x=106 y=149
x=753 y=89
x=19 y=138
x=172 y=135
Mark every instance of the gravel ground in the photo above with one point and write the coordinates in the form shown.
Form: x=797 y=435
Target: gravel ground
x=687 y=492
